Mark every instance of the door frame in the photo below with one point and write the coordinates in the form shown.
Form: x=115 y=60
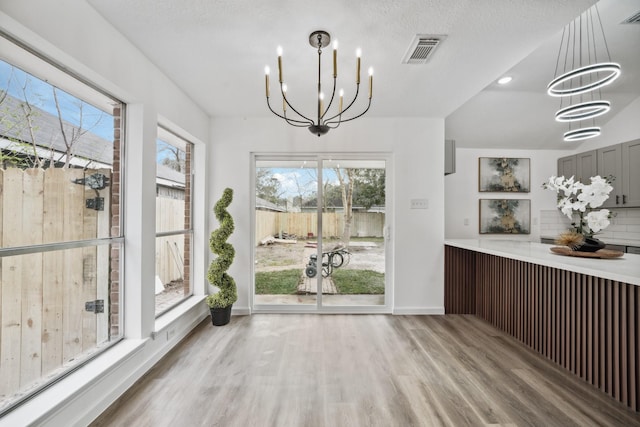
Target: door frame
x=387 y=307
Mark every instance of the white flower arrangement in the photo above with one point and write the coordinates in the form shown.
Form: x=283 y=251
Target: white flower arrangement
x=579 y=201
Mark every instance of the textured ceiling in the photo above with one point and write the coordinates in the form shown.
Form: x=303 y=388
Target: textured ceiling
x=216 y=50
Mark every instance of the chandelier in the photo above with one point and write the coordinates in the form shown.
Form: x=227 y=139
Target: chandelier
x=324 y=120
x=581 y=76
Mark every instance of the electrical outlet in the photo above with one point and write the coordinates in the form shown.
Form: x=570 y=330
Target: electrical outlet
x=466 y=221
x=419 y=203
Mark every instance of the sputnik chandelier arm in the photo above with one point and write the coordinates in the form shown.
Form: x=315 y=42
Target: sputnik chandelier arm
x=322 y=124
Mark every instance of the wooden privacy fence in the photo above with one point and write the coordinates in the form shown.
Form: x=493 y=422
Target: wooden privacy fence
x=44 y=321
x=365 y=224
x=170 y=215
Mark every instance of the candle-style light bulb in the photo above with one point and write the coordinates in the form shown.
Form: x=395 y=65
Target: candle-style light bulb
x=370 y=81
x=279 y=50
x=358 y=55
x=321 y=97
x=284 y=100
x=341 y=97
x=335 y=59
x=266 y=79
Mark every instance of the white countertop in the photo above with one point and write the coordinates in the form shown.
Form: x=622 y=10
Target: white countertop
x=625 y=269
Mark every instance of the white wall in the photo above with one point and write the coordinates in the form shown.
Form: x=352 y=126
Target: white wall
x=462 y=195
x=417 y=147
x=71 y=33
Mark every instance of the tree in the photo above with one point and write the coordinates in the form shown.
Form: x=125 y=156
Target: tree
x=369 y=188
x=267 y=186
x=346 y=178
x=217 y=273
x=20 y=122
x=18 y=118
x=172 y=156
x=363 y=187
x=72 y=134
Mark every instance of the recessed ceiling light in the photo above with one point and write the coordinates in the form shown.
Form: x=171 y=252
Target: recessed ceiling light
x=504 y=80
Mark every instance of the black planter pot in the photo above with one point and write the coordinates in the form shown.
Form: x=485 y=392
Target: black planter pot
x=591 y=244
x=220 y=316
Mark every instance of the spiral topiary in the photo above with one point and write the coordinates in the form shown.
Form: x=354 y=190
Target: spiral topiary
x=217 y=274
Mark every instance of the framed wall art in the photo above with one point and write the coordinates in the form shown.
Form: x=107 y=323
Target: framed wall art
x=505 y=216
x=504 y=174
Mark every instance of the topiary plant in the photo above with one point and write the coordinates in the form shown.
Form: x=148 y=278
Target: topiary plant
x=217 y=274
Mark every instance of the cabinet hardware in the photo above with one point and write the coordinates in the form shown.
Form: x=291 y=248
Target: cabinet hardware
x=624 y=199
x=617 y=199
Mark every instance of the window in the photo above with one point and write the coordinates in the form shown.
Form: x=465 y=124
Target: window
x=173 y=220
x=60 y=232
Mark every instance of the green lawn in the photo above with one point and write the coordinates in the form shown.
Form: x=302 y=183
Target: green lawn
x=283 y=282
x=348 y=282
x=358 y=282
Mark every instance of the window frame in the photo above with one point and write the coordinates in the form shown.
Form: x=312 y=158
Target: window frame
x=43 y=67
x=168 y=133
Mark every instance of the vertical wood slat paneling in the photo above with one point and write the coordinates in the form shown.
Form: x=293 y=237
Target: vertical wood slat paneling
x=585 y=324
x=460 y=295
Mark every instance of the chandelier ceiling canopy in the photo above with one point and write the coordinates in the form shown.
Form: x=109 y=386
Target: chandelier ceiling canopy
x=322 y=120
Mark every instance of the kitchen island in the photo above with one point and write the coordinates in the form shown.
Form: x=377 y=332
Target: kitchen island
x=581 y=313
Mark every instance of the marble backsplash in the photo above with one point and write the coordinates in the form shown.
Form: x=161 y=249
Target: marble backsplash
x=624 y=228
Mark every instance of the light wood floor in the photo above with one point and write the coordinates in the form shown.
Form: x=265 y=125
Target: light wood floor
x=359 y=370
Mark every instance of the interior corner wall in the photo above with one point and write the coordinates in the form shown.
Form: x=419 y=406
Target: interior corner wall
x=417 y=148
x=462 y=195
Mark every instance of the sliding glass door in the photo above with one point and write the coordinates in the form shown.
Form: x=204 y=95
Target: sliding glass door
x=353 y=229
x=286 y=233
x=320 y=235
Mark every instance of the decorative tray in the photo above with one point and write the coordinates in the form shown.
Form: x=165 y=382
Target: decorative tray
x=602 y=253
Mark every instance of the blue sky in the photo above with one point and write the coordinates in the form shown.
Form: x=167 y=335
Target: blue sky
x=40 y=94
x=294 y=181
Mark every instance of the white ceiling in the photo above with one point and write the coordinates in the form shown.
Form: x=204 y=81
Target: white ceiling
x=216 y=50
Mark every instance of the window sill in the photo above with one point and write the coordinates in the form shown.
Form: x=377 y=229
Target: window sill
x=176 y=313
x=40 y=407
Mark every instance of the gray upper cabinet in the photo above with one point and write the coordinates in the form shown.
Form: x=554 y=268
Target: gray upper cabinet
x=610 y=164
x=586 y=166
x=581 y=166
x=631 y=173
x=623 y=162
x=567 y=166
x=449 y=156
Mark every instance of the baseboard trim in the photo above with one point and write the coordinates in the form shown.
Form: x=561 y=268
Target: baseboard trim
x=410 y=311
x=240 y=311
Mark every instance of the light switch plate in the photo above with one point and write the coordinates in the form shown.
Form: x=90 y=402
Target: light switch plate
x=419 y=203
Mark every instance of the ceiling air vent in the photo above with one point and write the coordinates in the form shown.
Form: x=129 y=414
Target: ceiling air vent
x=422 y=48
x=633 y=19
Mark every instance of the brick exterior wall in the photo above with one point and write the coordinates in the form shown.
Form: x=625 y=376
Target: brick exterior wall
x=187 y=221
x=114 y=270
